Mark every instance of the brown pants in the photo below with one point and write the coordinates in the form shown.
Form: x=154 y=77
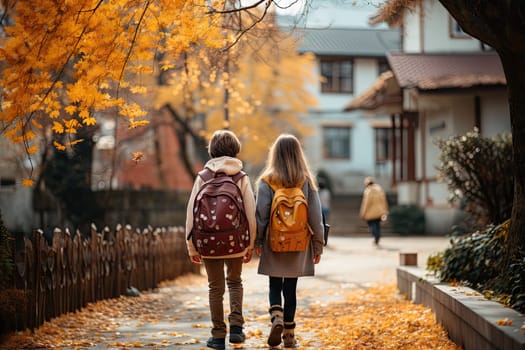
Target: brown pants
x=216 y=284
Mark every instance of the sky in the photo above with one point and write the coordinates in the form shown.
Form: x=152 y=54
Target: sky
x=331 y=13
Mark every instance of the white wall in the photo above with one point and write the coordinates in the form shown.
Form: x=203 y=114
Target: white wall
x=346 y=174
x=495 y=116
x=435 y=35
x=366 y=72
x=411 y=40
x=446 y=116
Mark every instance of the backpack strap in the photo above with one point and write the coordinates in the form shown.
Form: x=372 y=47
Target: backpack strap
x=206 y=175
x=238 y=176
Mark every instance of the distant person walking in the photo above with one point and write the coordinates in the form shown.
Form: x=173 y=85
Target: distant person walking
x=374 y=207
x=325 y=196
x=286 y=169
x=230 y=248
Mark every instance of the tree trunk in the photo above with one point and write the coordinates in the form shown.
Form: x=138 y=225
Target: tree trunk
x=515 y=75
x=500 y=24
x=181 y=133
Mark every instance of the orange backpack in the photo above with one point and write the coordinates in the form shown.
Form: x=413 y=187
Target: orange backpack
x=289 y=230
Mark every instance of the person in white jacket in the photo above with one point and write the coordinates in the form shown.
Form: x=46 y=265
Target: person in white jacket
x=223 y=149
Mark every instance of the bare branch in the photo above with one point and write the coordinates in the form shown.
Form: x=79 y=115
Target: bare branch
x=239 y=9
x=244 y=31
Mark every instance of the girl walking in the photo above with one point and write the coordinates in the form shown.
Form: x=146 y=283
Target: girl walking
x=286 y=167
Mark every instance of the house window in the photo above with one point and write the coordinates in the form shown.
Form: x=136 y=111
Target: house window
x=384 y=144
x=382 y=66
x=336 y=142
x=337 y=75
x=455 y=29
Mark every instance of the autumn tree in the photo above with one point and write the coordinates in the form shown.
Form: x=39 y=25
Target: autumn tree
x=104 y=46
x=256 y=88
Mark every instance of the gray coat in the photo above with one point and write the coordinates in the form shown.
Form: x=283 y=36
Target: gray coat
x=294 y=264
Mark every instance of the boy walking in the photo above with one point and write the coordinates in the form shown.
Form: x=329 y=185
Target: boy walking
x=223 y=149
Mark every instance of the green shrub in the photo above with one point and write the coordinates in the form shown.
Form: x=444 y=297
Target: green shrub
x=407 y=219
x=478 y=174
x=474 y=260
x=517 y=284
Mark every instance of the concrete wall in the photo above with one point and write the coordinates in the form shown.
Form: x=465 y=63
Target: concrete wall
x=470 y=320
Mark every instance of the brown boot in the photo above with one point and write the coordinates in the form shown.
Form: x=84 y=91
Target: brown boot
x=289 y=335
x=276 y=313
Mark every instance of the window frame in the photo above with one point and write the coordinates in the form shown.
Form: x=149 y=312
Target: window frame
x=336 y=76
x=328 y=141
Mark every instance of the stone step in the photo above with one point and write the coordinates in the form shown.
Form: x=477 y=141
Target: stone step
x=344 y=218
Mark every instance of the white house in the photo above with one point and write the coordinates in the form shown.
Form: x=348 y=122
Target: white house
x=442 y=83
x=347 y=146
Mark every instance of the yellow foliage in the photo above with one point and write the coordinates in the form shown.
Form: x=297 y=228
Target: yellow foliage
x=374 y=318
x=59 y=146
x=100 y=44
x=137 y=156
x=58 y=128
x=27 y=182
x=32 y=149
x=72 y=143
x=257 y=89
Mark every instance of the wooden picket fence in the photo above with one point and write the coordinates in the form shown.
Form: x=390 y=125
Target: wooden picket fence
x=74 y=271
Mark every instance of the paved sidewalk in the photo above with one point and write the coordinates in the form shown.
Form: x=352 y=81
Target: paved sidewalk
x=176 y=315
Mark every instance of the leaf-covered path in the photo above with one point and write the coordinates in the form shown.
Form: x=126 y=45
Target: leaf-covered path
x=352 y=303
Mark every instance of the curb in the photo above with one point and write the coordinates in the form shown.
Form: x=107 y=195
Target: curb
x=472 y=321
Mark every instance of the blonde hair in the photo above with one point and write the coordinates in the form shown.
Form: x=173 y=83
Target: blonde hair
x=224 y=143
x=286 y=165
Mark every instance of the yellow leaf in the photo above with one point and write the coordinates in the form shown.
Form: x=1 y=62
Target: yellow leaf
x=89 y=121
x=58 y=128
x=32 y=149
x=71 y=126
x=165 y=67
x=54 y=114
x=27 y=182
x=137 y=156
x=71 y=109
x=59 y=146
x=36 y=124
x=84 y=113
x=72 y=143
x=137 y=123
x=504 y=322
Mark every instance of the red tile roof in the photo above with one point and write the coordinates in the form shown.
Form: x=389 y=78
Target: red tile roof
x=443 y=71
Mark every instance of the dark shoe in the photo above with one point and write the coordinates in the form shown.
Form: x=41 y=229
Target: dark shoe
x=216 y=343
x=237 y=335
x=289 y=335
x=276 y=314
x=289 y=340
